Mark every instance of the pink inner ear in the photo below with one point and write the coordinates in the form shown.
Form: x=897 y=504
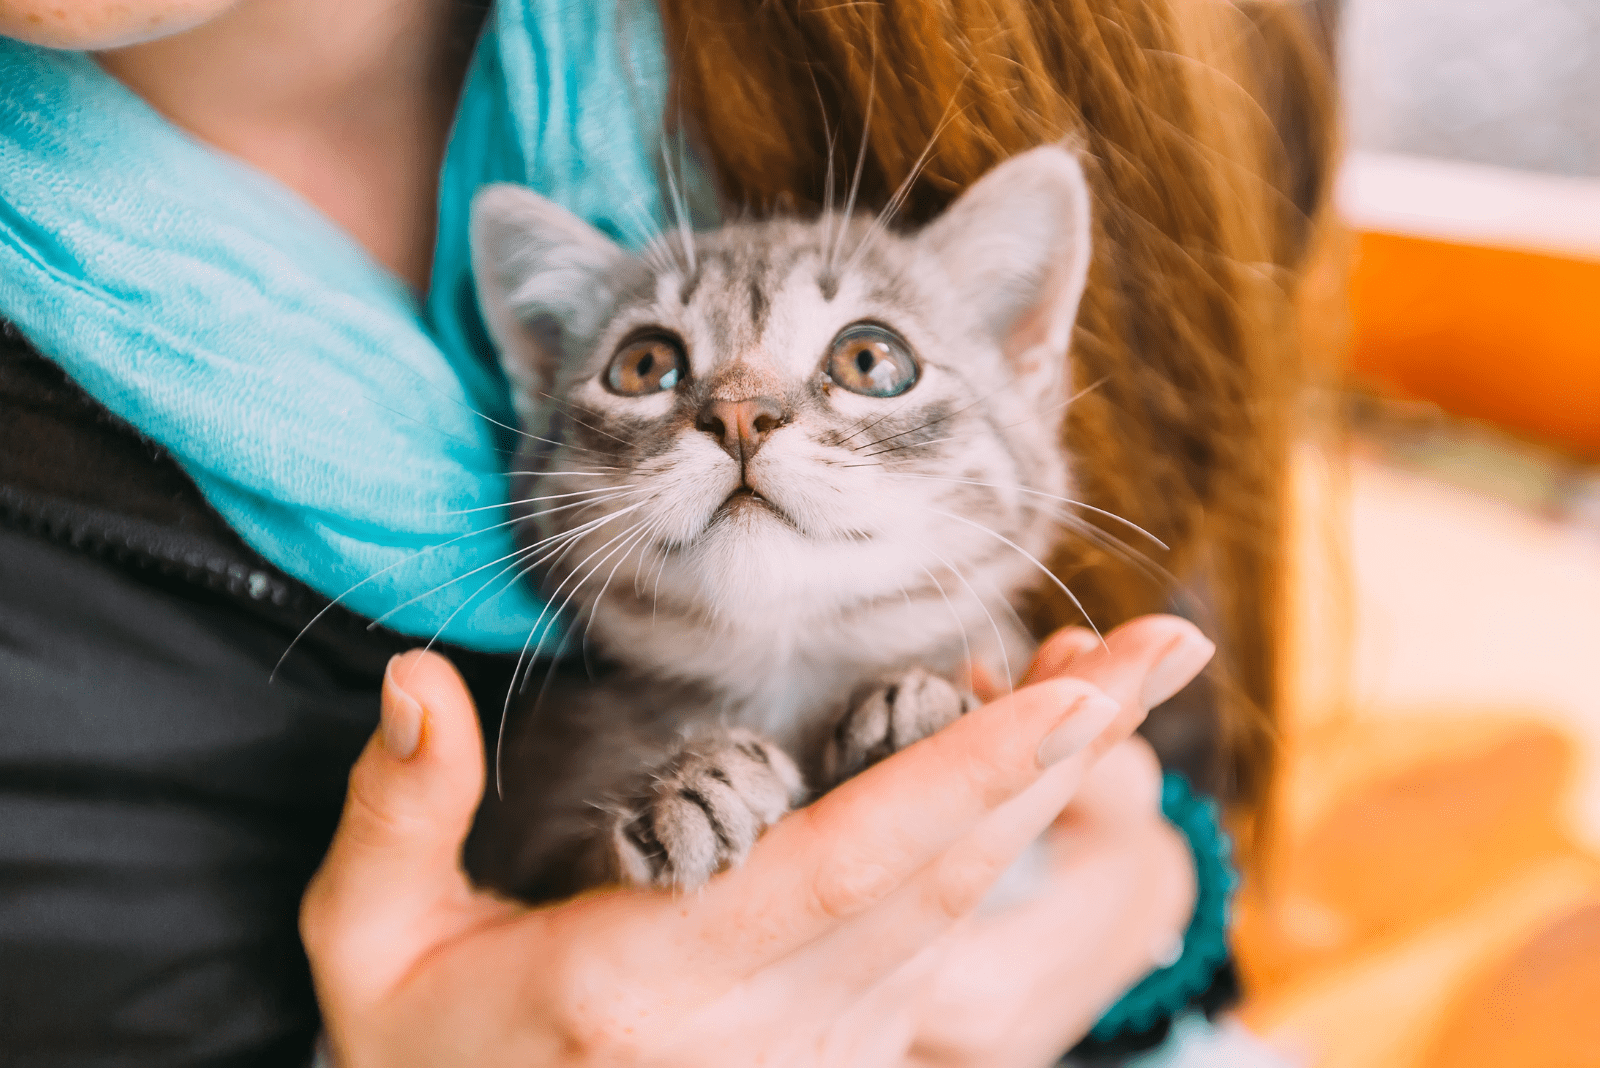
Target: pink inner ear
x=1029 y=335
x=1044 y=330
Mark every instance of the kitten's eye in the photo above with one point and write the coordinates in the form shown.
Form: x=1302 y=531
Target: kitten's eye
x=650 y=363
x=871 y=360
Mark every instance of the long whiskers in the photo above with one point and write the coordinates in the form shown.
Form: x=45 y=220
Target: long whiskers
x=536 y=500
x=587 y=426
x=407 y=559
x=827 y=221
x=966 y=645
x=1114 y=517
x=519 y=553
x=538 y=629
x=1120 y=549
x=911 y=445
x=1051 y=575
x=645 y=530
x=680 y=204
x=1000 y=642
x=890 y=209
x=1007 y=384
x=831 y=258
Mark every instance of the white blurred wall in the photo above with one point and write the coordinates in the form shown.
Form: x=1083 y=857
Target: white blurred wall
x=1508 y=82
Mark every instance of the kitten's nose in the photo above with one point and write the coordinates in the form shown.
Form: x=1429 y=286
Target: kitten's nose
x=741 y=426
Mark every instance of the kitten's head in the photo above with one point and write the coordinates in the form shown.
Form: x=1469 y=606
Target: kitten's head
x=788 y=423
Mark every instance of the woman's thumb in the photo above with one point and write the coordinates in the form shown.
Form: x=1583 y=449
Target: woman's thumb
x=391 y=885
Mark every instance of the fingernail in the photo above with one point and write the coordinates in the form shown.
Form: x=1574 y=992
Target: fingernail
x=1168 y=953
x=1083 y=724
x=402 y=718
x=1173 y=672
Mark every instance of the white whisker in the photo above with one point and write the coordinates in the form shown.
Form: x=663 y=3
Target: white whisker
x=1051 y=575
x=1114 y=517
x=535 y=500
x=966 y=646
x=643 y=535
x=599 y=472
x=831 y=260
x=538 y=623
x=892 y=207
x=1000 y=641
x=915 y=445
x=408 y=602
x=407 y=559
x=580 y=422
x=523 y=551
x=680 y=206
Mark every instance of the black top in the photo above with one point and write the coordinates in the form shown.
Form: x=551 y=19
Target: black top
x=162 y=804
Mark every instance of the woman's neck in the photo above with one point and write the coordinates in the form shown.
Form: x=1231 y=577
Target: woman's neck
x=347 y=103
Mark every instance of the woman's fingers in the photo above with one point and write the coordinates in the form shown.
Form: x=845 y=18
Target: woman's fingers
x=1123 y=787
x=1056 y=655
x=391 y=884
x=857 y=845
x=1021 y=984
x=1139 y=662
x=1077 y=652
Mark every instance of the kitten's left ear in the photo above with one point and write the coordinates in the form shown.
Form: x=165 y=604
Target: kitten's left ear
x=1016 y=245
x=545 y=281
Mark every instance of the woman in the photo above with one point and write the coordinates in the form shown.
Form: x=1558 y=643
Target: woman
x=167 y=805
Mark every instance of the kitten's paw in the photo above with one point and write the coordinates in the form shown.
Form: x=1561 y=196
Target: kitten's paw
x=705 y=810
x=890 y=718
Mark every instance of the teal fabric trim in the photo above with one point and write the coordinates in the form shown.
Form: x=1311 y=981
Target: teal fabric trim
x=1166 y=992
x=345 y=428
x=1195 y=1042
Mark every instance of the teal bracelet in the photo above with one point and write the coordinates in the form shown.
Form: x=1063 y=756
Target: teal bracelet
x=1166 y=992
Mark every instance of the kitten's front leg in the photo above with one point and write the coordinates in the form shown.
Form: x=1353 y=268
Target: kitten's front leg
x=704 y=810
x=889 y=718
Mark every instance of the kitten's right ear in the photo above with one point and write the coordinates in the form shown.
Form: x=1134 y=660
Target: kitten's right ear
x=1017 y=245
x=543 y=276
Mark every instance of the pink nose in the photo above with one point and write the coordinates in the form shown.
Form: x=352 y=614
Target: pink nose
x=741 y=426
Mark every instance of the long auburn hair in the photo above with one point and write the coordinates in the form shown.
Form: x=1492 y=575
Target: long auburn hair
x=1206 y=130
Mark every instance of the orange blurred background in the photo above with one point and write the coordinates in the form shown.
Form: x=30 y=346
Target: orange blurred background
x=1431 y=897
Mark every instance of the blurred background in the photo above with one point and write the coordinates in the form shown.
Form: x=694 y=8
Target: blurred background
x=1431 y=895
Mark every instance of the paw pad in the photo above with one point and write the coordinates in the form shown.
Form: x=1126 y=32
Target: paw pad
x=890 y=718
x=706 y=808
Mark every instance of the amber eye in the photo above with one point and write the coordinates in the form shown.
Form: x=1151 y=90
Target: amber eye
x=871 y=360
x=649 y=363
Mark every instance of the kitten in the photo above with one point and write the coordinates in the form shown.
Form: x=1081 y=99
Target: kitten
x=784 y=480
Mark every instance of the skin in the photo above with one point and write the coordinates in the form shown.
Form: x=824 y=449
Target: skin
x=348 y=104
x=850 y=937
x=91 y=25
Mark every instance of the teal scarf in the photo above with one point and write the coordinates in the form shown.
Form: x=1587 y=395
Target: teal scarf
x=347 y=432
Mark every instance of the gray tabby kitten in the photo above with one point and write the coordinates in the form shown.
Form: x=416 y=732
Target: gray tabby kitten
x=788 y=478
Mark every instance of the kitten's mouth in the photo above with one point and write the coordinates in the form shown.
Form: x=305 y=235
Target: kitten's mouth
x=745 y=499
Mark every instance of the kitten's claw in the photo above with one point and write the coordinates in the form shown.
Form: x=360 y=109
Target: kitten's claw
x=707 y=807
x=890 y=718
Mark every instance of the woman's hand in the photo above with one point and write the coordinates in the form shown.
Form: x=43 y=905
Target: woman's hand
x=1111 y=892
x=1101 y=901
x=835 y=909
